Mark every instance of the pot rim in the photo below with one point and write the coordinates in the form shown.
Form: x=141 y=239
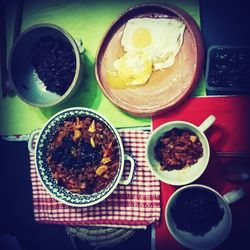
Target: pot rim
x=121 y=165
x=78 y=60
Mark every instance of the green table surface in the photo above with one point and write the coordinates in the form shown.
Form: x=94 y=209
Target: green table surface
x=87 y=20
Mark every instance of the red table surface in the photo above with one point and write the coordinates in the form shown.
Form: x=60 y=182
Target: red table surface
x=230 y=132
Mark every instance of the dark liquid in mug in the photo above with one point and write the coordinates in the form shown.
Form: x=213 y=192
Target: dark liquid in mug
x=196 y=211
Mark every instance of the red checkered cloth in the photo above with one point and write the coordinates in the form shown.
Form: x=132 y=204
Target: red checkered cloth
x=135 y=205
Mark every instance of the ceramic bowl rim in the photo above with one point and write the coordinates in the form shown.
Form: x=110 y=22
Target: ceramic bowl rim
x=176 y=192
x=200 y=57
x=120 y=145
x=73 y=44
x=157 y=133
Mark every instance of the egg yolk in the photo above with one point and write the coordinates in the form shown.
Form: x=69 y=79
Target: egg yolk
x=130 y=70
x=141 y=38
x=115 y=81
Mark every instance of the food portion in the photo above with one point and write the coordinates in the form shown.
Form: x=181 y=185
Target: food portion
x=161 y=38
x=149 y=44
x=134 y=68
x=83 y=155
x=229 y=68
x=196 y=211
x=55 y=63
x=177 y=149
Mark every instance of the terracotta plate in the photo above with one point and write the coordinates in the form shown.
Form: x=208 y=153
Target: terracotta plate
x=165 y=88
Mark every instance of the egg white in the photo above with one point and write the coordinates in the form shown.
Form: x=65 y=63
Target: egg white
x=166 y=39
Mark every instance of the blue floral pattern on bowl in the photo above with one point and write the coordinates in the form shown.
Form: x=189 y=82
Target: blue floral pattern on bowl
x=61 y=193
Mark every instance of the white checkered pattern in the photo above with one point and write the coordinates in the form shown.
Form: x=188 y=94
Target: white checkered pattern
x=135 y=205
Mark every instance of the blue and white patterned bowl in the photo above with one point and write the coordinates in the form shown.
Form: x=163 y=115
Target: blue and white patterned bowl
x=61 y=193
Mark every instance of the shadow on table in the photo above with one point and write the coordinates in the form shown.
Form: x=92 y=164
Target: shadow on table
x=16 y=210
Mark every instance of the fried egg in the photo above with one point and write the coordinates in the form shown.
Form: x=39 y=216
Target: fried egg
x=149 y=44
x=132 y=69
x=161 y=38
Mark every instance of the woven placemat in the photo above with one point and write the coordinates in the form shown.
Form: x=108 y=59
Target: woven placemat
x=99 y=237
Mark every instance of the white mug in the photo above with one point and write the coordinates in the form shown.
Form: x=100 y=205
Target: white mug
x=179 y=177
x=217 y=233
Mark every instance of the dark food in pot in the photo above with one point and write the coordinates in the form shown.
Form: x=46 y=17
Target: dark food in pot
x=55 y=63
x=196 y=211
x=83 y=155
x=177 y=149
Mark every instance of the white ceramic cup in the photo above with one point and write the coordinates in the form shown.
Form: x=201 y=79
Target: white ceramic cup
x=217 y=234
x=186 y=175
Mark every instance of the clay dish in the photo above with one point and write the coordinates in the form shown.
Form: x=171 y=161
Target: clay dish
x=166 y=88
